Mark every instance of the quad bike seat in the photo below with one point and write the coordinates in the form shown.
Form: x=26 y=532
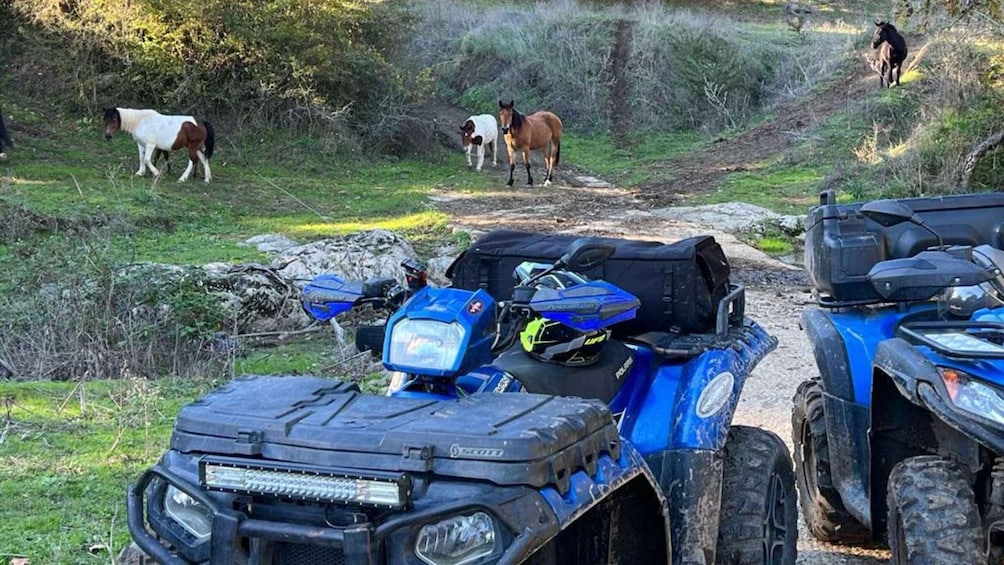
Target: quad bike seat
x=600 y=380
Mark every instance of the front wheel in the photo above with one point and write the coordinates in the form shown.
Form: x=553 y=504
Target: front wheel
x=758 y=519
x=933 y=516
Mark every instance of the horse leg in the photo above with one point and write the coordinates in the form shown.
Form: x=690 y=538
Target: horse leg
x=142 y=161
x=512 y=164
x=526 y=161
x=148 y=159
x=495 y=153
x=899 y=71
x=469 y=155
x=205 y=165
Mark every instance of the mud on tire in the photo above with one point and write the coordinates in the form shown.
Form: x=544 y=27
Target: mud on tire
x=933 y=516
x=824 y=512
x=758 y=522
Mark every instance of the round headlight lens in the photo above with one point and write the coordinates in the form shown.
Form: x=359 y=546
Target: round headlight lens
x=191 y=514
x=457 y=540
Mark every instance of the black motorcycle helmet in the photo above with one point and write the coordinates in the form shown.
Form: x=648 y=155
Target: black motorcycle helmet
x=554 y=342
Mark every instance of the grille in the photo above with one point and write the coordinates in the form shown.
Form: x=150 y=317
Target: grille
x=300 y=554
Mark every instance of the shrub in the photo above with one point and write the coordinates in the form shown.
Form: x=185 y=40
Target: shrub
x=686 y=70
x=299 y=63
x=102 y=320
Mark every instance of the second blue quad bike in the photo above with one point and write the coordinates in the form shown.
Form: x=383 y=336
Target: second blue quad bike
x=901 y=437
x=541 y=413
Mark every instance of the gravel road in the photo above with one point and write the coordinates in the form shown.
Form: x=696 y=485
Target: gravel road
x=775 y=299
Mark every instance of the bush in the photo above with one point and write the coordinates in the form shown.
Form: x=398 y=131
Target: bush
x=103 y=320
x=686 y=70
x=298 y=63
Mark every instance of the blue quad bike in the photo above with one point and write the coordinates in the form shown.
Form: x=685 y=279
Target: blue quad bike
x=519 y=431
x=902 y=433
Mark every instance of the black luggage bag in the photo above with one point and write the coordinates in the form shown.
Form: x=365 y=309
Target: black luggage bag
x=679 y=284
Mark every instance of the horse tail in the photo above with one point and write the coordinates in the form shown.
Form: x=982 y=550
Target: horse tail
x=210 y=139
x=4 y=138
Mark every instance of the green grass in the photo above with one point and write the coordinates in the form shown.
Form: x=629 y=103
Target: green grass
x=628 y=166
x=774 y=245
x=789 y=189
x=65 y=462
x=298 y=188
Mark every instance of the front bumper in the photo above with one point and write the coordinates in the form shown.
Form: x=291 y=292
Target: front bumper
x=520 y=511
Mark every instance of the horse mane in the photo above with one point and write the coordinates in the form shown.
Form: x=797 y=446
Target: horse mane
x=517 y=118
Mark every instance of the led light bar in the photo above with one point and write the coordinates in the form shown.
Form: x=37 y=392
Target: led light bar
x=303 y=483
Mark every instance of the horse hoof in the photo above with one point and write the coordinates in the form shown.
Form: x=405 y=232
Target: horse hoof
x=547 y=183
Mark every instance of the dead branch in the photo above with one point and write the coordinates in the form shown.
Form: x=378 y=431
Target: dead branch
x=969 y=164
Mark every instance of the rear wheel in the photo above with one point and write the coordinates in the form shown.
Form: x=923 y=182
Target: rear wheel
x=757 y=524
x=824 y=512
x=933 y=517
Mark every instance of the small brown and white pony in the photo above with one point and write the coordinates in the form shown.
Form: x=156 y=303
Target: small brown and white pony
x=155 y=132
x=524 y=133
x=480 y=131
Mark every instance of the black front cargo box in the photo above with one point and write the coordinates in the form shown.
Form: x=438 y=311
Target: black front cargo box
x=841 y=245
x=679 y=284
x=508 y=439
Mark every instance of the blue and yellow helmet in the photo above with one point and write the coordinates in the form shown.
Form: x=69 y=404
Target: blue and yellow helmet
x=554 y=342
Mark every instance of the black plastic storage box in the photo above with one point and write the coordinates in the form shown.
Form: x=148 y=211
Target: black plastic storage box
x=508 y=439
x=841 y=245
x=679 y=284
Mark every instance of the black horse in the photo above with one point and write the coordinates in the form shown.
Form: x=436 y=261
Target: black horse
x=892 y=52
x=4 y=138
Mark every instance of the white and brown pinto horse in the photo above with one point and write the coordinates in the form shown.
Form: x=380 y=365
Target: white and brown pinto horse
x=155 y=132
x=480 y=131
x=524 y=133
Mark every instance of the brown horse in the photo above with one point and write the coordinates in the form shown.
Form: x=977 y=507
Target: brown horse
x=523 y=133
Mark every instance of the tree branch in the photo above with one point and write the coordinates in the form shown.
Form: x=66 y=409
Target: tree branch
x=970 y=162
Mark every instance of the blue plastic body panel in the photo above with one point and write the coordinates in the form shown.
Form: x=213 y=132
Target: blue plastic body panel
x=586 y=307
x=659 y=400
x=474 y=311
x=328 y=296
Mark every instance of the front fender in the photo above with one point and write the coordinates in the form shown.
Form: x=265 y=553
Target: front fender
x=906 y=366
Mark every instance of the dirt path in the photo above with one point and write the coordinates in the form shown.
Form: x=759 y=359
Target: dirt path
x=701 y=172
x=777 y=293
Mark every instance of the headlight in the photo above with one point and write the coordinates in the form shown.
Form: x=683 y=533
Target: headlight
x=425 y=344
x=457 y=540
x=188 y=512
x=971 y=395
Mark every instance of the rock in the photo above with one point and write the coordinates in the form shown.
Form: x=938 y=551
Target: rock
x=591 y=182
x=270 y=243
x=735 y=217
x=358 y=256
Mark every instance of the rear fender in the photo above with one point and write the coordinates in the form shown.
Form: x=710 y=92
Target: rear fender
x=830 y=352
x=699 y=421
